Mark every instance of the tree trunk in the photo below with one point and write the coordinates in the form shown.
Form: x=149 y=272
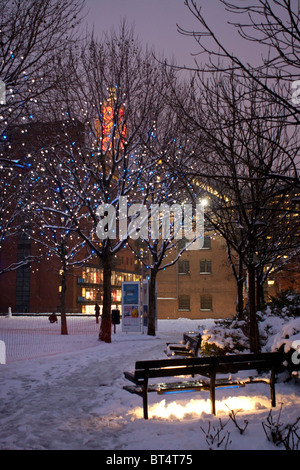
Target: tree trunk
x=240 y=299
x=152 y=298
x=253 y=325
x=259 y=293
x=64 y=328
x=105 y=327
x=240 y=289
x=238 y=272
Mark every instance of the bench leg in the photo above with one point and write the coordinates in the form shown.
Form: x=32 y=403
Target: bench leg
x=145 y=398
x=213 y=393
x=145 y=404
x=272 y=388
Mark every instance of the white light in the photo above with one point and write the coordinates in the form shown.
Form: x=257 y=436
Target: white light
x=194 y=407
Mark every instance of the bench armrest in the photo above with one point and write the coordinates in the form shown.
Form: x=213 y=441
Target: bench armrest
x=131 y=376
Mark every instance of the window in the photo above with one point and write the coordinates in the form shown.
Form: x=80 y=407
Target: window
x=92 y=294
x=205 y=266
x=184 y=302
x=206 y=243
x=206 y=302
x=181 y=243
x=183 y=267
x=92 y=275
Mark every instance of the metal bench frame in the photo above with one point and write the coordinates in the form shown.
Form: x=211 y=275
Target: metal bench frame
x=208 y=367
x=189 y=347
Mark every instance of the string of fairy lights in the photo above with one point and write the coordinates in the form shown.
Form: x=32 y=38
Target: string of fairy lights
x=63 y=182
x=48 y=167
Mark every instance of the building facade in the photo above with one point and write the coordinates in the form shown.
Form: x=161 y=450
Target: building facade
x=200 y=285
x=36 y=287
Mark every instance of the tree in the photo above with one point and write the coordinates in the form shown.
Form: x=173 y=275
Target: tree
x=114 y=93
x=14 y=189
x=163 y=218
x=52 y=229
x=270 y=23
x=246 y=207
x=274 y=26
x=34 y=36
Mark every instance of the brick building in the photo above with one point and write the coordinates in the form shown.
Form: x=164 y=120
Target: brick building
x=200 y=285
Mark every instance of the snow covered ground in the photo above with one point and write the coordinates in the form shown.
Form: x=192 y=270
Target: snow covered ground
x=66 y=392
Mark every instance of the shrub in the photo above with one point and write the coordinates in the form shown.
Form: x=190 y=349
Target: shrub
x=224 y=337
x=287 y=303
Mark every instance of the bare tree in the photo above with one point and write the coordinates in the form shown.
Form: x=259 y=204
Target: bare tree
x=115 y=93
x=52 y=229
x=163 y=196
x=34 y=36
x=246 y=207
x=272 y=24
x=14 y=190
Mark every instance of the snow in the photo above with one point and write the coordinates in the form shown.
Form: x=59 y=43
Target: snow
x=66 y=393
x=291 y=334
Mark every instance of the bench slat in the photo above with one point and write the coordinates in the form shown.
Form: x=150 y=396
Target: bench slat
x=236 y=359
x=160 y=363
x=173 y=372
x=188 y=347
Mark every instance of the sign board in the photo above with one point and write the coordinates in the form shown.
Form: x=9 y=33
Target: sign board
x=131 y=311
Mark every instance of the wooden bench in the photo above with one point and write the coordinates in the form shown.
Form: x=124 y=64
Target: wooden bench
x=189 y=347
x=207 y=367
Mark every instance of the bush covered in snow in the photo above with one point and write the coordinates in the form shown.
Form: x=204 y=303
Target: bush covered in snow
x=279 y=330
x=224 y=337
x=280 y=327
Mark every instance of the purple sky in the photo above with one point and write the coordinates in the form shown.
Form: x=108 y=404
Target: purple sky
x=155 y=21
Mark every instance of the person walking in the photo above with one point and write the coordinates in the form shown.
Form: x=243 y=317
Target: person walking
x=97 y=312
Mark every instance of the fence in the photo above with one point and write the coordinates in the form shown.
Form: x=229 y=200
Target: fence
x=28 y=337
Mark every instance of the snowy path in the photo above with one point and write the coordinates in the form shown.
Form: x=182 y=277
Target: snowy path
x=69 y=400
x=74 y=400
x=69 y=404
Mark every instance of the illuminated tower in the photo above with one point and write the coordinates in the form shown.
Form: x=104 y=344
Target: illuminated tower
x=111 y=130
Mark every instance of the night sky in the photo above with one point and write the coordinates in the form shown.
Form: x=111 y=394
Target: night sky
x=155 y=22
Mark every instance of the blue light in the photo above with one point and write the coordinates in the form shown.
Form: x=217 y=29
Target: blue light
x=197 y=390
x=229 y=386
